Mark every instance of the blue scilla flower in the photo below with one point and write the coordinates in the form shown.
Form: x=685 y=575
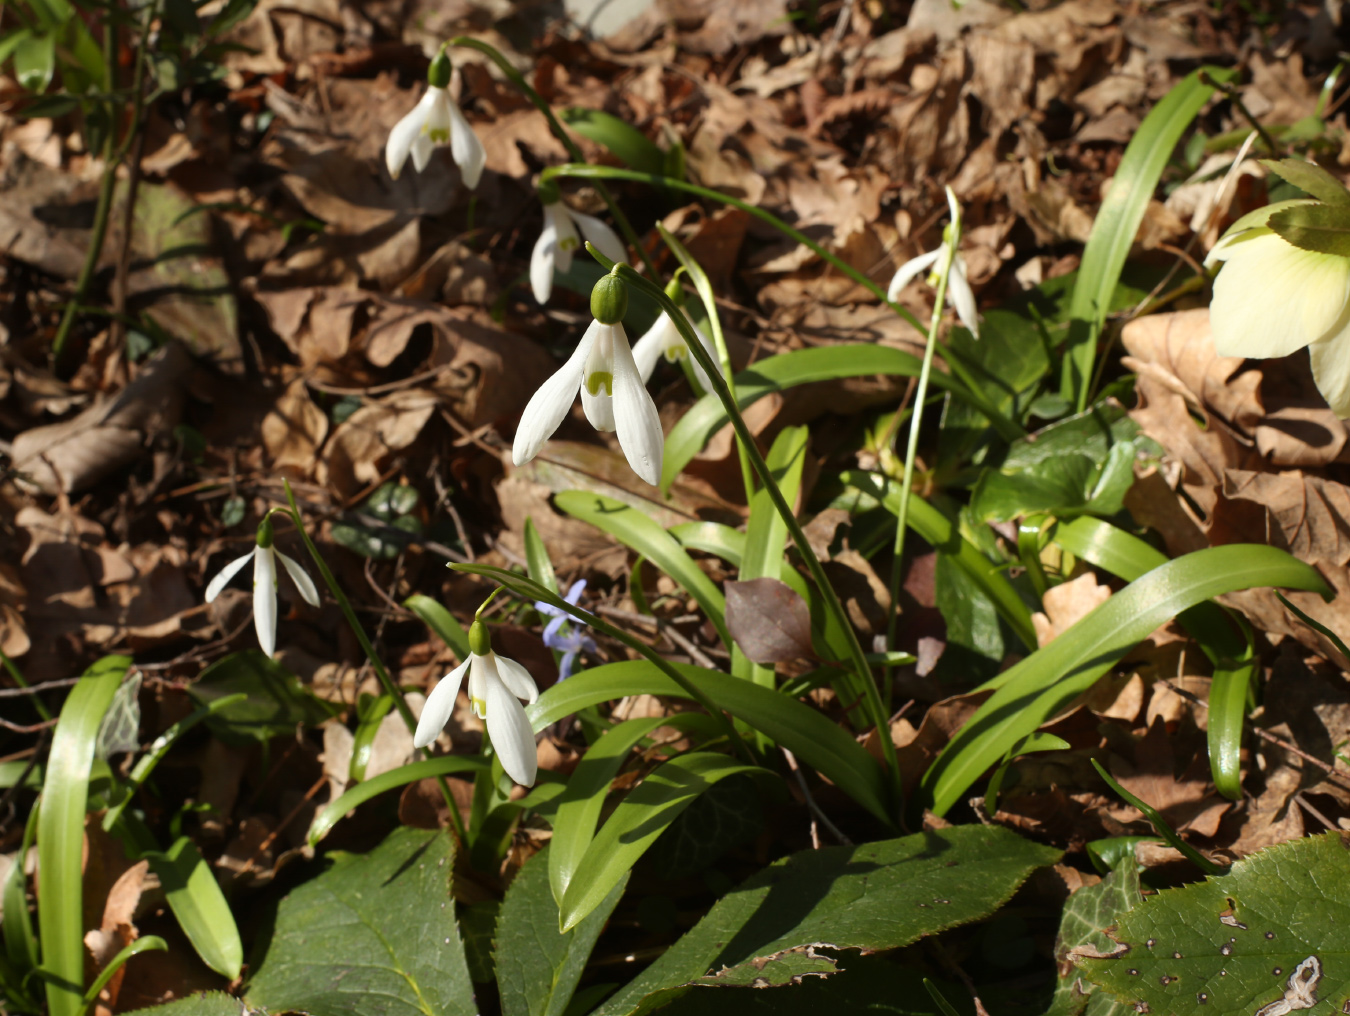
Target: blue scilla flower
x=563 y=634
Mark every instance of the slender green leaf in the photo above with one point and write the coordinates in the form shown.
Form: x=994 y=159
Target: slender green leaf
x=441 y=621
x=196 y=900
x=1118 y=220
x=643 y=534
x=492 y=834
x=804 y=731
x=147 y=943
x=35 y=62
x=371 y=711
x=1042 y=684
x=876 y=896
x=538 y=968
x=373 y=935
x=536 y=558
x=274 y=702
x=712 y=538
x=60 y=834
x=21 y=942
x=1160 y=825
x=626 y=142
x=636 y=823
x=787 y=370
x=402 y=776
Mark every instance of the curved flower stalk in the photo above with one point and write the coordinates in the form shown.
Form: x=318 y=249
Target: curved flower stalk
x=664 y=339
x=563 y=232
x=264 y=557
x=959 y=294
x=436 y=120
x=1274 y=296
x=603 y=370
x=565 y=635
x=497 y=686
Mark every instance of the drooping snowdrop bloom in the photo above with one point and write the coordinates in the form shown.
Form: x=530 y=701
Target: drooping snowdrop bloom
x=612 y=392
x=1274 y=297
x=496 y=687
x=434 y=121
x=563 y=232
x=265 y=557
x=564 y=633
x=664 y=339
x=959 y=294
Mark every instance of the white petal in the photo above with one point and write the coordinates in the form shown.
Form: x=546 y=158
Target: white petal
x=648 y=349
x=599 y=410
x=960 y=296
x=1273 y=298
x=466 y=149
x=422 y=147
x=301 y=579
x=909 y=271
x=512 y=738
x=265 y=598
x=1331 y=368
x=439 y=705
x=708 y=346
x=402 y=136
x=568 y=241
x=517 y=679
x=606 y=241
x=439 y=118
x=550 y=403
x=541 y=261
x=635 y=417
x=222 y=579
x=478 y=682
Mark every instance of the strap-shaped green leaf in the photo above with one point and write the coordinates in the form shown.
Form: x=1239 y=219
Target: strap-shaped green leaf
x=636 y=823
x=1042 y=684
x=441 y=621
x=625 y=141
x=196 y=901
x=403 y=775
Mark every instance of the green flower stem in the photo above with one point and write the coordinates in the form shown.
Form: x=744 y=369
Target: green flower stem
x=912 y=449
x=864 y=673
x=560 y=132
x=386 y=681
x=527 y=588
x=1008 y=429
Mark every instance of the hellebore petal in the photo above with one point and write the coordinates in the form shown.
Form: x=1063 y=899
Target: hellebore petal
x=547 y=406
x=1330 y=358
x=636 y=420
x=222 y=578
x=465 y=148
x=265 y=598
x=1273 y=298
x=405 y=132
x=517 y=679
x=439 y=706
x=302 y=581
x=606 y=241
x=512 y=738
x=910 y=271
x=960 y=296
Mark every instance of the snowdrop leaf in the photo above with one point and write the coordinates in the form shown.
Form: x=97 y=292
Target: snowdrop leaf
x=441 y=621
x=380 y=926
x=626 y=142
x=538 y=968
x=1272 y=931
x=197 y=902
x=1324 y=229
x=1310 y=178
x=443 y=765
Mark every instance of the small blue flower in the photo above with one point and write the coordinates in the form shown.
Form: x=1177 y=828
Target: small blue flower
x=561 y=633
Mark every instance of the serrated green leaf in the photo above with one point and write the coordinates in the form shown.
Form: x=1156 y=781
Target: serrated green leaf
x=872 y=897
x=538 y=967
x=1310 y=178
x=1276 y=927
x=196 y=901
x=636 y=823
x=1088 y=912
x=728 y=814
x=1034 y=689
x=373 y=935
x=210 y=1003
x=1324 y=229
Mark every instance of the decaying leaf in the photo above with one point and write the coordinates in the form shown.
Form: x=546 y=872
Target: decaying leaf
x=769 y=621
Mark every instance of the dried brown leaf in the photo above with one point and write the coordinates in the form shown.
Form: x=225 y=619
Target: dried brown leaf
x=769 y=621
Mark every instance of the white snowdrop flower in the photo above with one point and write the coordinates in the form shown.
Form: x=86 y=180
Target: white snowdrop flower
x=664 y=339
x=613 y=394
x=959 y=294
x=497 y=686
x=563 y=233
x=265 y=556
x=436 y=120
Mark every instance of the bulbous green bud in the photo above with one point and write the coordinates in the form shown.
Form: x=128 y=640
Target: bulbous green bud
x=479 y=642
x=264 y=537
x=438 y=74
x=609 y=300
x=549 y=194
x=675 y=291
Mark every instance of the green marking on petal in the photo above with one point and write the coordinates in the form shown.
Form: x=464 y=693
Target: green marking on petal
x=440 y=135
x=569 y=243
x=600 y=379
x=674 y=354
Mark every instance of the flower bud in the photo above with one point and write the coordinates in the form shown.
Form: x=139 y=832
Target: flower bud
x=264 y=537
x=549 y=193
x=480 y=644
x=675 y=291
x=609 y=300
x=438 y=74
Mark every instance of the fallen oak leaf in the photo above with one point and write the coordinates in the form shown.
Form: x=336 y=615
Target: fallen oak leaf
x=768 y=620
